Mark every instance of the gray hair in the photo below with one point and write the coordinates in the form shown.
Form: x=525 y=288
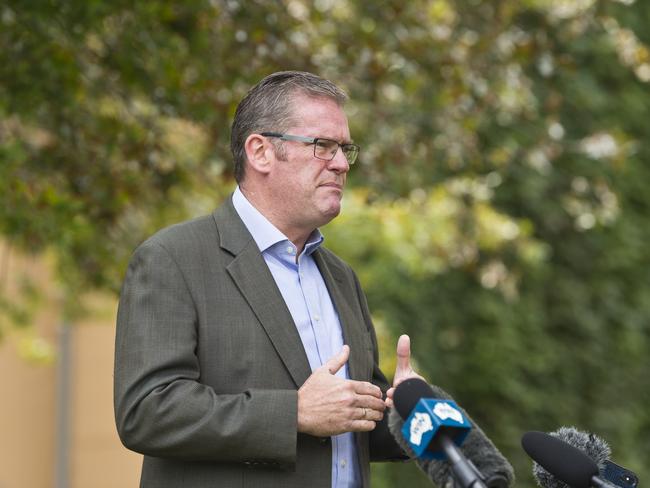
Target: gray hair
x=268 y=106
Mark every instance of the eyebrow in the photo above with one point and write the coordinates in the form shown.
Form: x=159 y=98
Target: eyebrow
x=345 y=141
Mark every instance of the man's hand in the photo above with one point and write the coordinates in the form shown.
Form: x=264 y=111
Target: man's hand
x=403 y=370
x=329 y=405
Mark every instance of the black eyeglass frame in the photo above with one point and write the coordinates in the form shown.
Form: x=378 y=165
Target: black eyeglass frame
x=347 y=148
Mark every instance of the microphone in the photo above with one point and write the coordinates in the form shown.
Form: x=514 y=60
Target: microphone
x=477 y=463
x=563 y=461
x=598 y=450
x=592 y=445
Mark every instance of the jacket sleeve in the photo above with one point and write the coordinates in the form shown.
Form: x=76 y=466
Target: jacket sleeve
x=161 y=407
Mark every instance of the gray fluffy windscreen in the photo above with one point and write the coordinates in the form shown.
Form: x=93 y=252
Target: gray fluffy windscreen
x=592 y=445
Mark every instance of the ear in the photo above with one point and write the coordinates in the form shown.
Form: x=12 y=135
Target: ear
x=260 y=153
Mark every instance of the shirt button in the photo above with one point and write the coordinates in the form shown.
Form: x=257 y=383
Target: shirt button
x=290 y=250
x=316 y=317
x=343 y=463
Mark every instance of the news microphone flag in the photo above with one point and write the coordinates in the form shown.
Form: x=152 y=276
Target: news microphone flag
x=429 y=418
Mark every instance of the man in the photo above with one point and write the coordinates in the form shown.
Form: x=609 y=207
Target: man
x=245 y=354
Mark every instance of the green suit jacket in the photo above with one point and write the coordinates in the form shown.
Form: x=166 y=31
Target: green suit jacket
x=208 y=362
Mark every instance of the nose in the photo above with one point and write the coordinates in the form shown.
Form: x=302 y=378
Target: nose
x=339 y=163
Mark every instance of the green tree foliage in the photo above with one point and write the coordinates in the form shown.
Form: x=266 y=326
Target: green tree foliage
x=497 y=214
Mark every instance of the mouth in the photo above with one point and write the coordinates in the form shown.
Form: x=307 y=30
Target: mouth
x=332 y=184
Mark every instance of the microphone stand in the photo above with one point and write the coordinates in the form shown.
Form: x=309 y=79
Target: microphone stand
x=464 y=471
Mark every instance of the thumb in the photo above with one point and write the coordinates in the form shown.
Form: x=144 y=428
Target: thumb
x=403 y=355
x=335 y=363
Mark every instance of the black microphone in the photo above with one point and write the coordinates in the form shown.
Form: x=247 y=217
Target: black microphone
x=598 y=450
x=480 y=463
x=593 y=446
x=563 y=461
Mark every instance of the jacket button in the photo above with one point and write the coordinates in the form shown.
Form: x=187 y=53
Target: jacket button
x=324 y=440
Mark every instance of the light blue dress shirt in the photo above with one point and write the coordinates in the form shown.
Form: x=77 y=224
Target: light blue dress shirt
x=313 y=312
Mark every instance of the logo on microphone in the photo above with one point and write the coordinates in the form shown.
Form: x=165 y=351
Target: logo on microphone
x=427 y=418
x=420 y=424
x=445 y=411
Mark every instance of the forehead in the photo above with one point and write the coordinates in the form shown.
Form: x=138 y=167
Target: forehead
x=321 y=117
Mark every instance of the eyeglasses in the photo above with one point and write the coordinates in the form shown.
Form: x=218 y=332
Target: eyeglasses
x=323 y=148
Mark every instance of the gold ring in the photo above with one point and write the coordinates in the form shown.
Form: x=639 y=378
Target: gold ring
x=365 y=412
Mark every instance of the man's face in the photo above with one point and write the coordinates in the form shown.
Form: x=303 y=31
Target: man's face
x=307 y=189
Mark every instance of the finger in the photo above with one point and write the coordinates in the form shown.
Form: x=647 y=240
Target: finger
x=362 y=413
x=389 y=397
x=361 y=426
x=405 y=375
x=365 y=388
x=335 y=363
x=370 y=402
x=369 y=414
x=403 y=355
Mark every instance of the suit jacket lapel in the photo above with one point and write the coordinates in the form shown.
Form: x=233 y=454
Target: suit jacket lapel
x=341 y=293
x=254 y=280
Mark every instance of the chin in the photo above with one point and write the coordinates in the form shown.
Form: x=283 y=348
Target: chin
x=332 y=213
x=328 y=214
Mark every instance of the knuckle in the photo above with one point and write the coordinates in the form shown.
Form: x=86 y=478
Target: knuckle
x=350 y=399
x=346 y=399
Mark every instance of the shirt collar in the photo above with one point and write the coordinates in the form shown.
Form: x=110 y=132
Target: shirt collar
x=264 y=233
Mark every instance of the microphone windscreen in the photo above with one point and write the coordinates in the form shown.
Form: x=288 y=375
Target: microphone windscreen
x=395 y=424
x=563 y=461
x=477 y=447
x=592 y=445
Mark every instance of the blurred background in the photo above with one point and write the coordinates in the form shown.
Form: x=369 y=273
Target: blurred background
x=498 y=213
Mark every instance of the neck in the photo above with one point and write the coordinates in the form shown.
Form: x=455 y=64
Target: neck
x=298 y=236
